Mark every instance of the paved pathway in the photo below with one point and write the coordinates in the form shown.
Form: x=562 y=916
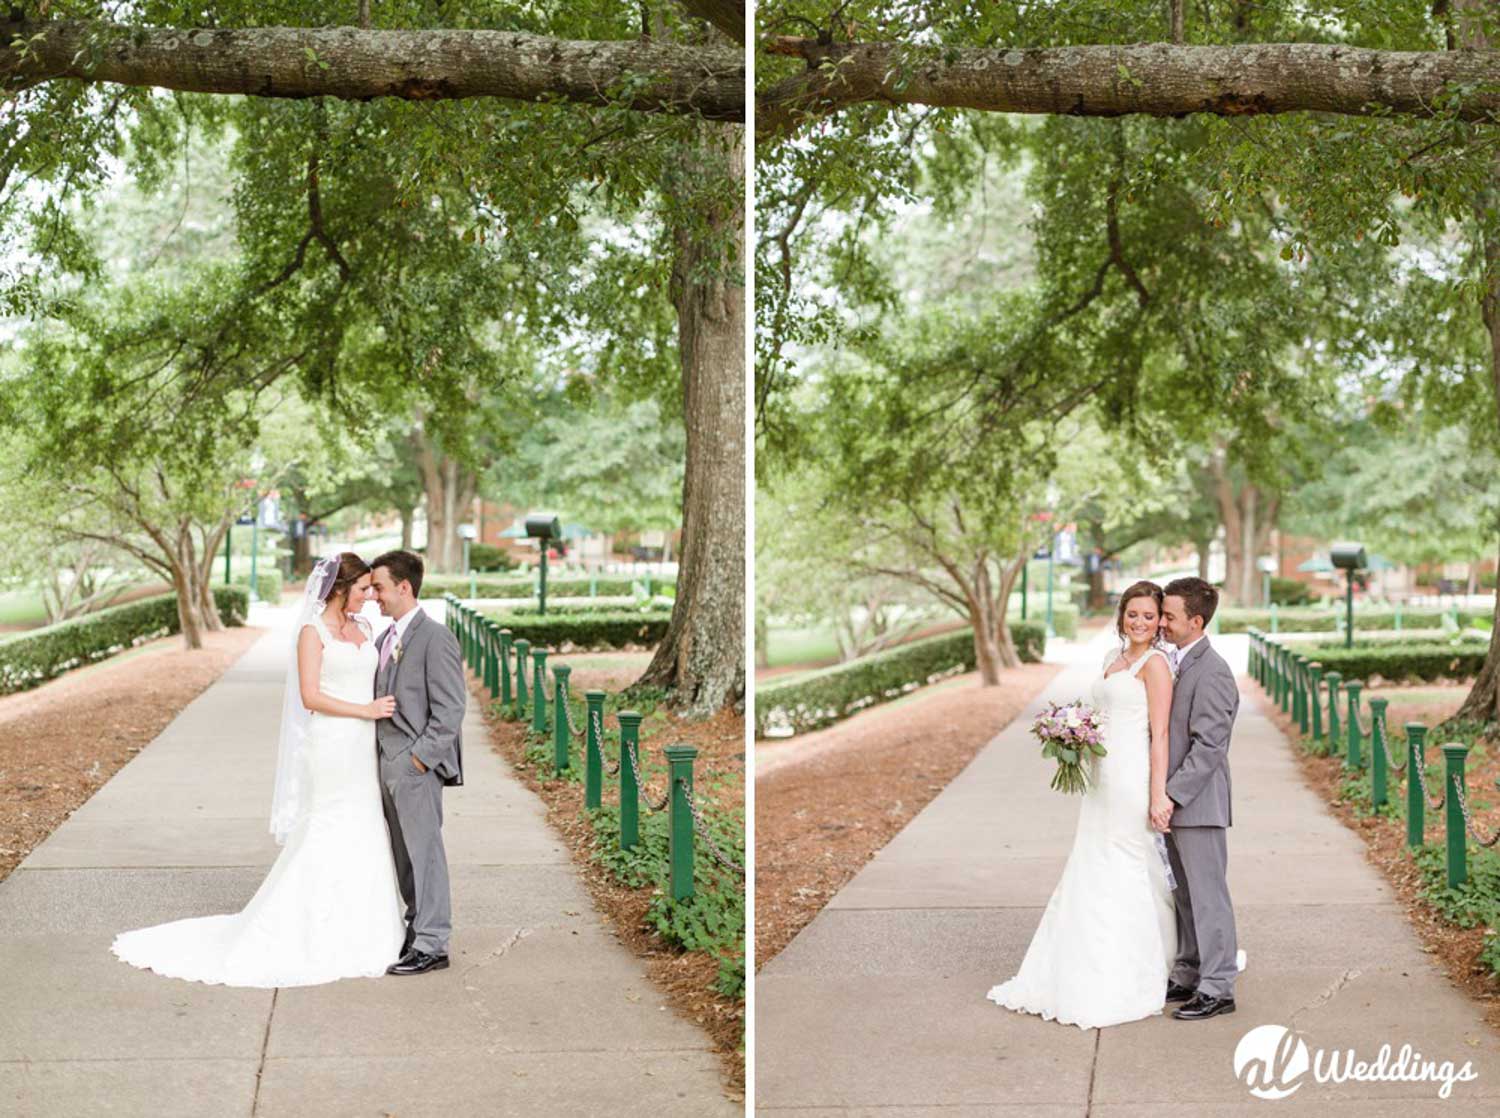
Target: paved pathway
x=542 y=1012
x=878 y=1006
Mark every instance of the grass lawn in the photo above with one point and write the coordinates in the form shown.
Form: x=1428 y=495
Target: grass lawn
x=22 y=607
x=800 y=646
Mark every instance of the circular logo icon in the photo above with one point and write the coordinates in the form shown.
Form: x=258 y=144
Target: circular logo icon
x=1270 y=1060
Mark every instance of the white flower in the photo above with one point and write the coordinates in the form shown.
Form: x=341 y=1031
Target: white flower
x=1074 y=723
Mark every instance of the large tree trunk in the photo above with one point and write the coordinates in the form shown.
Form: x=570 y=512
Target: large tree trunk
x=1248 y=514
x=701 y=661
x=450 y=489
x=1155 y=79
x=1483 y=701
x=298 y=62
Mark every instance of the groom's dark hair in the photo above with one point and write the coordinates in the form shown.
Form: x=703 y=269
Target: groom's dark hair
x=402 y=565
x=1199 y=597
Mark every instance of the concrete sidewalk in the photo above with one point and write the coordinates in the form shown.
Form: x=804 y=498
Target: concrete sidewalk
x=543 y=1011
x=879 y=1006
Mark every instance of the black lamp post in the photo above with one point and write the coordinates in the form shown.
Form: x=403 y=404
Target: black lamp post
x=1348 y=557
x=543 y=526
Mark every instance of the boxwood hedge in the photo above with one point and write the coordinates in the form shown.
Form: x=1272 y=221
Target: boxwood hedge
x=824 y=697
x=31 y=658
x=1315 y=620
x=565 y=632
x=569 y=586
x=1395 y=662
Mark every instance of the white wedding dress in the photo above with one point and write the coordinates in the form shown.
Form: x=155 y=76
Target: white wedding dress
x=1108 y=937
x=329 y=908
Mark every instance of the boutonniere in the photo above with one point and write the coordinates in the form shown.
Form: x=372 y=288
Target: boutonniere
x=396 y=651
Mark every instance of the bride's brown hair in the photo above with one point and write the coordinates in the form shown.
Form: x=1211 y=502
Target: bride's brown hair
x=351 y=569
x=1143 y=589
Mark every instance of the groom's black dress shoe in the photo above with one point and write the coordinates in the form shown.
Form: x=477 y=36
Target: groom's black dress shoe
x=1203 y=1006
x=417 y=962
x=1176 y=993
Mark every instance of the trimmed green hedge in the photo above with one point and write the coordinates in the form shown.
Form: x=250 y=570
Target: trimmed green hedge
x=1064 y=615
x=1427 y=662
x=569 y=586
x=30 y=659
x=830 y=695
x=1328 y=620
x=574 y=631
x=267 y=584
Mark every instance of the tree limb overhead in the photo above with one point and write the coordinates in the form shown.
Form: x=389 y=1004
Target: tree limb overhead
x=727 y=15
x=355 y=64
x=1156 y=79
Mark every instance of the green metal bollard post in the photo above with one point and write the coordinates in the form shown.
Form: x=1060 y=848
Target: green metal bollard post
x=522 y=646
x=1294 y=669
x=1334 y=736
x=1286 y=681
x=539 y=691
x=1308 y=698
x=1315 y=695
x=492 y=645
x=680 y=848
x=560 y=673
x=1398 y=617
x=1416 y=801
x=505 y=635
x=593 y=766
x=630 y=804
x=1355 y=757
x=1458 y=841
x=1378 y=747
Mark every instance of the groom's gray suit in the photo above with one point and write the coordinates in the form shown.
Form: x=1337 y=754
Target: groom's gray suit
x=426 y=675
x=1205 y=700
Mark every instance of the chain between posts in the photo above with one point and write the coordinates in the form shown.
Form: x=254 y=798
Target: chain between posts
x=1435 y=804
x=640 y=784
x=1380 y=740
x=702 y=829
x=1463 y=806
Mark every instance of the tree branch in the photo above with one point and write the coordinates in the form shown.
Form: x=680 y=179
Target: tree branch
x=358 y=65
x=1155 y=79
x=727 y=15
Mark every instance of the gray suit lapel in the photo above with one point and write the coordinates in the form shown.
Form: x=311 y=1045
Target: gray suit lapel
x=1193 y=657
x=407 y=642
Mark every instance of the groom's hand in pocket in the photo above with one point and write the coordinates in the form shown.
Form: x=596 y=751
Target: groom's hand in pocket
x=421 y=768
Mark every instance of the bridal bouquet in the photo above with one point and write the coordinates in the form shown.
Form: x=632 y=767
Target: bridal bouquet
x=1070 y=733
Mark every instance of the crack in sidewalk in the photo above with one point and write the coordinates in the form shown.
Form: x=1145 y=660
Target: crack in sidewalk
x=485 y=1019
x=1328 y=994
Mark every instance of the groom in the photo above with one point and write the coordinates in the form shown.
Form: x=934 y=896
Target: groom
x=1205 y=700
x=420 y=754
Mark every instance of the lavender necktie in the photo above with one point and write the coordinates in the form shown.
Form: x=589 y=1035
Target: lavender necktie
x=387 y=642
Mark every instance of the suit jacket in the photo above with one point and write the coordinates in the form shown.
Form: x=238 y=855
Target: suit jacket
x=1205 y=701
x=428 y=683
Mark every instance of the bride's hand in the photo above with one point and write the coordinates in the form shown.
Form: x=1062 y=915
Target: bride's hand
x=1161 y=812
x=383 y=707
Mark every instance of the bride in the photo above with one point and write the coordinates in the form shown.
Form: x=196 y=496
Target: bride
x=329 y=908
x=1108 y=937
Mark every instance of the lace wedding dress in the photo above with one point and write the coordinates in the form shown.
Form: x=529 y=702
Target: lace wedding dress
x=329 y=908
x=1108 y=936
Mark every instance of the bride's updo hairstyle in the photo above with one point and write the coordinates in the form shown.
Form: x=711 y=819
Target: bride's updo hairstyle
x=1142 y=589
x=350 y=570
